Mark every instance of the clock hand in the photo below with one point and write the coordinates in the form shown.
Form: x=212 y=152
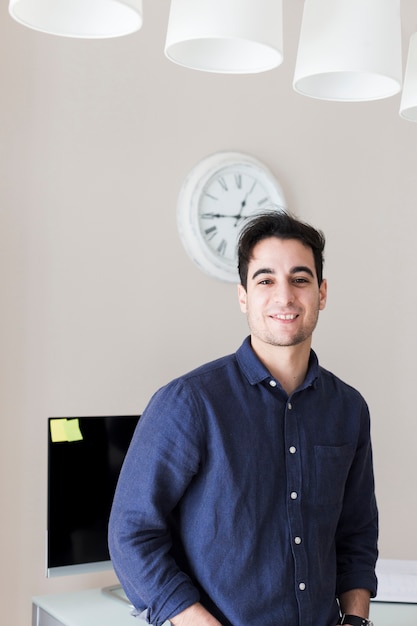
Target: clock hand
x=239 y=216
x=218 y=215
x=246 y=196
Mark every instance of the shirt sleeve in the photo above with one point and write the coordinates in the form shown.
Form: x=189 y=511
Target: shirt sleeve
x=357 y=533
x=163 y=457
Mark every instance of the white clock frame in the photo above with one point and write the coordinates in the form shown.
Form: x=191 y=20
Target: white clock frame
x=191 y=196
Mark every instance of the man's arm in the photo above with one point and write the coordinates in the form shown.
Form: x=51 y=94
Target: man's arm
x=357 y=532
x=355 y=602
x=195 y=615
x=162 y=460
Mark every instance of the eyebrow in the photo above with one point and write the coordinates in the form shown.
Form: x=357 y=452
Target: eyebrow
x=294 y=270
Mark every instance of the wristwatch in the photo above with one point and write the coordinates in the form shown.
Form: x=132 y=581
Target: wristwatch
x=354 y=620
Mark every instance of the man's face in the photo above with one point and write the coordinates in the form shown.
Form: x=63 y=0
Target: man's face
x=283 y=298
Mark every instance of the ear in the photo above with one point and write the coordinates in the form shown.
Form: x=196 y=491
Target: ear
x=242 y=296
x=323 y=294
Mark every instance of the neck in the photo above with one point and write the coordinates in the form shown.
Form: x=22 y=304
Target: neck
x=287 y=364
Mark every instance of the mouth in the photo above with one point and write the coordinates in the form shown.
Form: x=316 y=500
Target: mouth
x=286 y=317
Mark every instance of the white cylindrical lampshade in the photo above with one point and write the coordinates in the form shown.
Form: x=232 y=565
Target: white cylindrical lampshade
x=225 y=36
x=408 y=106
x=349 y=50
x=79 y=18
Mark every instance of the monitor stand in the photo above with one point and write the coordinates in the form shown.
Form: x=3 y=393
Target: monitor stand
x=116 y=592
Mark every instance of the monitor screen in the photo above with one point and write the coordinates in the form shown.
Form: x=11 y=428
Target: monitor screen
x=85 y=455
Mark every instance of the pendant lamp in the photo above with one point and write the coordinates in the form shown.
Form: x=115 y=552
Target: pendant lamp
x=349 y=50
x=79 y=18
x=225 y=36
x=408 y=106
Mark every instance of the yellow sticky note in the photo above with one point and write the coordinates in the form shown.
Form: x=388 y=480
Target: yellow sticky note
x=73 y=430
x=63 y=429
x=58 y=430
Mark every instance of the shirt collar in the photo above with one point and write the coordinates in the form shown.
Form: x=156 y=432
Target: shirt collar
x=255 y=371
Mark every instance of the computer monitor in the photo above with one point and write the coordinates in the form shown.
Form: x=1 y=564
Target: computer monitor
x=85 y=455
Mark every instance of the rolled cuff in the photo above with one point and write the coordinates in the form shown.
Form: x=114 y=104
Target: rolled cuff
x=357 y=580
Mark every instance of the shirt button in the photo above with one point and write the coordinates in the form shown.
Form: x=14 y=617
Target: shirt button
x=289 y=406
x=293 y=449
x=297 y=540
x=294 y=495
x=302 y=586
x=273 y=383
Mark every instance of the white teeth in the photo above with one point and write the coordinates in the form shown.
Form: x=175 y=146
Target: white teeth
x=286 y=317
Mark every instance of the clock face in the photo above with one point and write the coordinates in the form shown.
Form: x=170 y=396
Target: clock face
x=220 y=195
x=228 y=199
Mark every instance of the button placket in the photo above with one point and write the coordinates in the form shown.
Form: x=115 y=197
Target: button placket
x=295 y=520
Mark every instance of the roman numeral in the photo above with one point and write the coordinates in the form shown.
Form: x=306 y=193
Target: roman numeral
x=263 y=201
x=222 y=183
x=209 y=195
x=238 y=181
x=210 y=232
x=221 y=248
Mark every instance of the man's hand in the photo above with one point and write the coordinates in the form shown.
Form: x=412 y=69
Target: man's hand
x=194 y=615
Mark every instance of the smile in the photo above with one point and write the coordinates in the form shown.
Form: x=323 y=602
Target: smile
x=288 y=316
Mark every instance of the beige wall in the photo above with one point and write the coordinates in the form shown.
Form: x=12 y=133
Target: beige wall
x=100 y=304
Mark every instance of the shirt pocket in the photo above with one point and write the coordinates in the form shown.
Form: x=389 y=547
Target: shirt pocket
x=332 y=468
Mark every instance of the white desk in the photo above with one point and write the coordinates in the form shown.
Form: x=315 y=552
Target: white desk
x=393 y=614
x=94 y=608
x=82 y=608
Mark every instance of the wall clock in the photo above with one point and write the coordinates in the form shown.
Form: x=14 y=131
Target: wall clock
x=216 y=198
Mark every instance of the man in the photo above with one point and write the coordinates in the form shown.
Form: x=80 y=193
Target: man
x=247 y=495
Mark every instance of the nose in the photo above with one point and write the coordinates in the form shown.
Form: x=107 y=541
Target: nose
x=284 y=294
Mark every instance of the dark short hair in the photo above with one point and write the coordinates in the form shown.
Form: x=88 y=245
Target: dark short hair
x=282 y=225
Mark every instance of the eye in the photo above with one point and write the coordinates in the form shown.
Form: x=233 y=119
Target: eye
x=301 y=280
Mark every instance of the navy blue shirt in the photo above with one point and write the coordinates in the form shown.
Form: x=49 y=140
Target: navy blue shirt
x=259 y=505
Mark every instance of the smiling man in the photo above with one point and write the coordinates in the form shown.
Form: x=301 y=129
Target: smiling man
x=247 y=495
x=281 y=297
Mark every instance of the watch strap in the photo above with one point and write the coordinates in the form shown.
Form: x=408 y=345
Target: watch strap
x=354 y=620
